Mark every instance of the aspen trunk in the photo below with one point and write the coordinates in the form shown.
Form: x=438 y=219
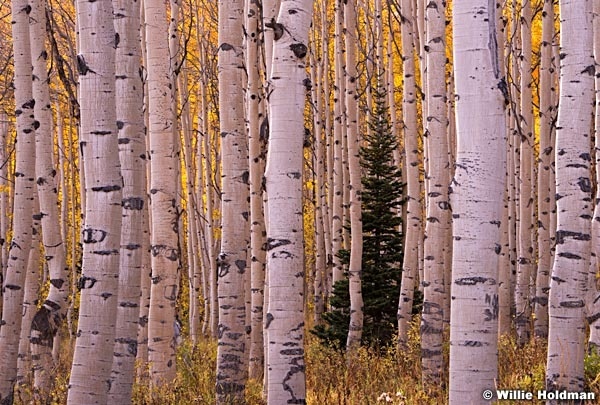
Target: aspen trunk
x=480 y=168
x=285 y=252
x=568 y=283
x=103 y=189
x=14 y=280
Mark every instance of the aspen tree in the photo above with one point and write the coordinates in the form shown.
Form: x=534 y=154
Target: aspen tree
x=285 y=252
x=337 y=182
x=566 y=335
x=132 y=146
x=525 y=129
x=164 y=220
x=256 y=122
x=232 y=260
x=477 y=191
x=103 y=189
x=438 y=225
x=51 y=315
x=32 y=286
x=540 y=300
x=24 y=183
x=355 y=185
x=593 y=303
x=411 y=170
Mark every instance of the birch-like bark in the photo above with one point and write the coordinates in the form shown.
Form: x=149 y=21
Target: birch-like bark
x=256 y=121
x=477 y=194
x=438 y=226
x=51 y=315
x=14 y=280
x=132 y=146
x=285 y=251
x=542 y=281
x=32 y=286
x=411 y=169
x=232 y=261
x=164 y=244
x=566 y=336
x=337 y=210
x=103 y=190
x=593 y=302
x=525 y=127
x=355 y=184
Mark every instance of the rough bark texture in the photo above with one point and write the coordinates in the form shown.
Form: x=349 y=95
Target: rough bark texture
x=98 y=283
x=568 y=285
x=478 y=188
x=285 y=251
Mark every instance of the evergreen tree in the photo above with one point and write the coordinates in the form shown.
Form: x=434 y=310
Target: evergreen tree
x=382 y=242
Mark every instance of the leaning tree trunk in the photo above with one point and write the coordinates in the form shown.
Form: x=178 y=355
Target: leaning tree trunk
x=102 y=224
x=285 y=251
x=478 y=189
x=20 y=244
x=566 y=337
x=51 y=315
x=132 y=146
x=411 y=170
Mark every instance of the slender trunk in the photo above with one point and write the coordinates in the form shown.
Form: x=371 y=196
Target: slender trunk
x=438 y=226
x=20 y=244
x=411 y=169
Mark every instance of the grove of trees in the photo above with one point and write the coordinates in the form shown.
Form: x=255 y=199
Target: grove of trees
x=290 y=177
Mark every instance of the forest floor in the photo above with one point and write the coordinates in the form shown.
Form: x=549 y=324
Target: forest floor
x=373 y=377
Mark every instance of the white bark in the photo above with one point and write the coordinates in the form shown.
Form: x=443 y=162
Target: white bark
x=103 y=189
x=231 y=355
x=355 y=184
x=163 y=199
x=573 y=199
x=438 y=226
x=478 y=188
x=132 y=146
x=14 y=281
x=410 y=267
x=285 y=252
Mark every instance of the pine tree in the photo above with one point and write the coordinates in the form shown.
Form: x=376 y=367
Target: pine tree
x=382 y=242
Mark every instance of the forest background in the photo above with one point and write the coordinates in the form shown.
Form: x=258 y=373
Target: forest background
x=186 y=192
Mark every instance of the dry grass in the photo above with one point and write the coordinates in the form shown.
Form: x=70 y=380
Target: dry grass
x=369 y=377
